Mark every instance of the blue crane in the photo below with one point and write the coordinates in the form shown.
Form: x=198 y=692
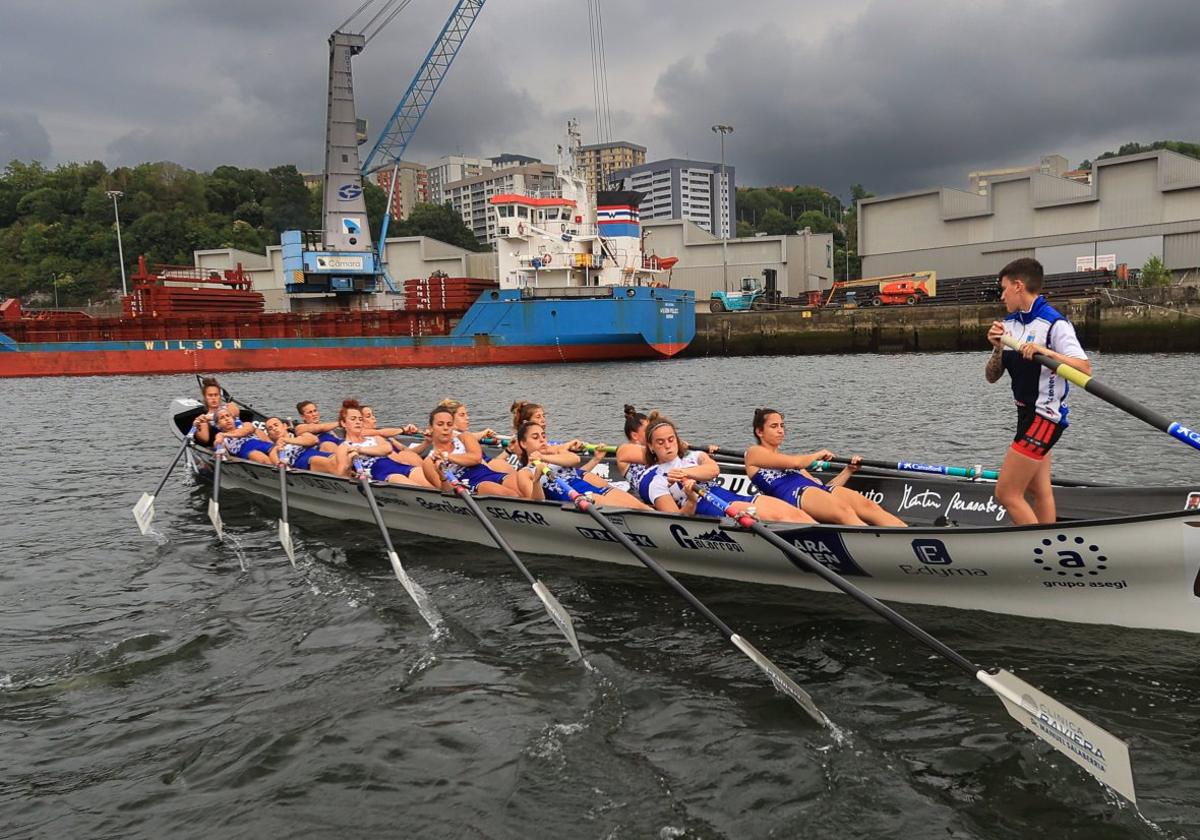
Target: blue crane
x=346 y=261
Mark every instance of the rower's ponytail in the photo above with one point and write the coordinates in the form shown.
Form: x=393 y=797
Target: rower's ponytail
x=633 y=421
x=522 y=412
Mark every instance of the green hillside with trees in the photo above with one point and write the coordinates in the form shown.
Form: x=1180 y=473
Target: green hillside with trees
x=57 y=225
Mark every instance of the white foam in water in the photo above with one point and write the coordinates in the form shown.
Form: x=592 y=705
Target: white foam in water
x=671 y=832
x=549 y=744
x=6 y=682
x=238 y=551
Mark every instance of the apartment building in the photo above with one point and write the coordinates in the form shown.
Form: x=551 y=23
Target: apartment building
x=691 y=190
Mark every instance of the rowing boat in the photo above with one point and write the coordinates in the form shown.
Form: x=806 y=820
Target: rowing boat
x=1133 y=571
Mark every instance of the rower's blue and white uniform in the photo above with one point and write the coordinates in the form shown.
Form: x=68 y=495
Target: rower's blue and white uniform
x=654 y=484
x=335 y=436
x=297 y=456
x=470 y=477
x=243 y=446
x=788 y=485
x=1033 y=385
x=571 y=476
x=634 y=474
x=379 y=466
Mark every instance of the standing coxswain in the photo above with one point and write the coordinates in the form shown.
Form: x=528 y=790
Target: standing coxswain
x=1040 y=394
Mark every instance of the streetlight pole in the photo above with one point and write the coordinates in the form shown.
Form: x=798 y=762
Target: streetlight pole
x=114 y=195
x=54 y=280
x=724 y=220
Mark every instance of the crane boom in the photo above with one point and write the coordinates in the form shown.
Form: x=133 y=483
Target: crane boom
x=390 y=146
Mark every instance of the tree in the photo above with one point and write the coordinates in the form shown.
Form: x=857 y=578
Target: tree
x=775 y=223
x=439 y=221
x=816 y=222
x=1155 y=273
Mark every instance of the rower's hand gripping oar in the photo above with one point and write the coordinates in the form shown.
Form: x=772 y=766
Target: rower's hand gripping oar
x=553 y=608
x=1094 y=749
x=214 y=504
x=779 y=679
x=1077 y=377
x=285 y=530
x=143 y=511
x=414 y=590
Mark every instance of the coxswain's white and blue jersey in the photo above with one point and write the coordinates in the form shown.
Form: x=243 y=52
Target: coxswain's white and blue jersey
x=1032 y=384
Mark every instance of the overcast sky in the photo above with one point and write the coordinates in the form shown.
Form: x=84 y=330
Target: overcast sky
x=895 y=95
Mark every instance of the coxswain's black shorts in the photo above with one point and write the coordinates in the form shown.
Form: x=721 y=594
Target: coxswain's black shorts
x=1035 y=434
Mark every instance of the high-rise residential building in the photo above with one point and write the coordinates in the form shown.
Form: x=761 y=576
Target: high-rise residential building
x=449 y=168
x=412 y=187
x=471 y=197
x=600 y=160
x=684 y=189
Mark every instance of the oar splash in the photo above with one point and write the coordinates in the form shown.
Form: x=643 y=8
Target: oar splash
x=1093 y=748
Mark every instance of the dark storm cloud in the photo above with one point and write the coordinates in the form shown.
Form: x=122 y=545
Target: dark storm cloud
x=917 y=94
x=22 y=138
x=891 y=95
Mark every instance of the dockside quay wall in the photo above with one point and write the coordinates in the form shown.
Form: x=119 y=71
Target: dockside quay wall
x=1130 y=321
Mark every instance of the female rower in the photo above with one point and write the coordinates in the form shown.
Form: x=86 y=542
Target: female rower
x=674 y=484
x=457 y=457
x=532 y=447
x=298 y=451
x=373 y=450
x=784 y=477
x=400 y=452
x=328 y=434
x=631 y=455
x=205 y=424
x=244 y=441
x=524 y=412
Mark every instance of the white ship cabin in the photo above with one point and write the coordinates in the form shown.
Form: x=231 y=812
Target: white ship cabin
x=554 y=242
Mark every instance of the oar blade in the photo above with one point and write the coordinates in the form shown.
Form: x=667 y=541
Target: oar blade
x=143 y=513
x=214 y=515
x=424 y=606
x=1093 y=748
x=558 y=615
x=783 y=683
x=285 y=539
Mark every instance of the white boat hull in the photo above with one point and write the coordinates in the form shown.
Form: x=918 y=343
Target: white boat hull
x=1133 y=572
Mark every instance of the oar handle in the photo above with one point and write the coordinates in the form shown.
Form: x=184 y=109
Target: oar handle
x=1085 y=381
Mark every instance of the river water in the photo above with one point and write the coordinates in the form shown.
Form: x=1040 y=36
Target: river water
x=174 y=685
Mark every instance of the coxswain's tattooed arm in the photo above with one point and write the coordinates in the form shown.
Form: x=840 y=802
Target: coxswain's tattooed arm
x=995 y=365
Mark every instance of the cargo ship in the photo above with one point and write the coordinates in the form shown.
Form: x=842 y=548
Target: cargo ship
x=573 y=285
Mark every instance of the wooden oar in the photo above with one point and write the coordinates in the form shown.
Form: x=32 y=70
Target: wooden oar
x=553 y=608
x=1094 y=749
x=214 y=503
x=1077 y=377
x=778 y=678
x=414 y=590
x=143 y=511
x=285 y=530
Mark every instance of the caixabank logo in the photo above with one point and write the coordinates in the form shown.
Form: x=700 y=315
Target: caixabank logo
x=1074 y=562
